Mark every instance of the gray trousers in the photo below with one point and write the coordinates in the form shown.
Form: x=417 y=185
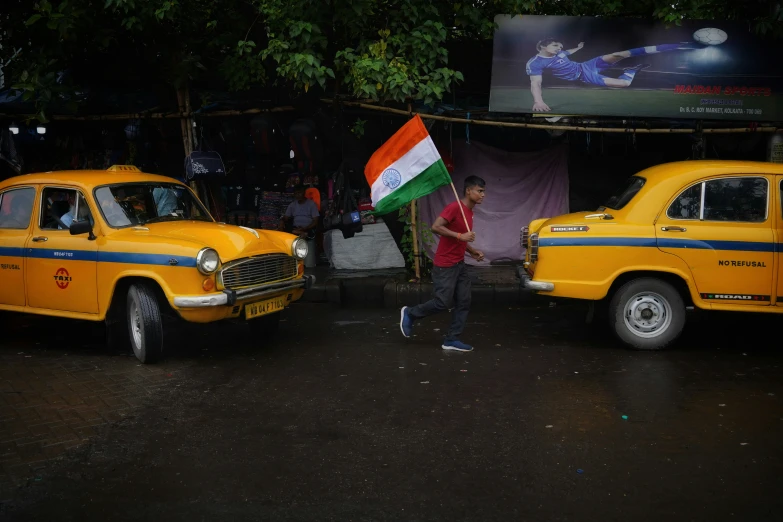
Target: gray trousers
x=452 y=291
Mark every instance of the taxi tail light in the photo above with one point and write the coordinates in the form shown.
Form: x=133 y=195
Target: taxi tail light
x=524 y=235
x=533 y=248
x=208 y=284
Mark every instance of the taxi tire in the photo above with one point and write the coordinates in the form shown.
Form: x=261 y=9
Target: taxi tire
x=641 y=285
x=141 y=297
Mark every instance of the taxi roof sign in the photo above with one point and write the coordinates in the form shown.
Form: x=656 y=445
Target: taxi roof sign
x=123 y=168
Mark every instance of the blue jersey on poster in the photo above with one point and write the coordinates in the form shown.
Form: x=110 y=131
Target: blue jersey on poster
x=560 y=65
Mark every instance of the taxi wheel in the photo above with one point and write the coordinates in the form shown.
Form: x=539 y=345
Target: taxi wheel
x=647 y=314
x=145 y=323
x=266 y=325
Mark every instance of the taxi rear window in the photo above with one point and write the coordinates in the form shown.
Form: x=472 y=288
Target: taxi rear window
x=626 y=193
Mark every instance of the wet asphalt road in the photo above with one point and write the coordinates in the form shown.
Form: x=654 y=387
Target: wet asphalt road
x=342 y=419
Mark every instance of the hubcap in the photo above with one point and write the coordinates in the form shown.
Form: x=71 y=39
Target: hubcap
x=135 y=325
x=647 y=314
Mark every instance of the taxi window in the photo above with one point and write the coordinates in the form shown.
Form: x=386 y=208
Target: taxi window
x=687 y=205
x=61 y=207
x=623 y=196
x=16 y=208
x=141 y=203
x=742 y=200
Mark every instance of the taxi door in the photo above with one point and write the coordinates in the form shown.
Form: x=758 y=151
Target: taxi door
x=779 y=239
x=61 y=268
x=16 y=211
x=723 y=228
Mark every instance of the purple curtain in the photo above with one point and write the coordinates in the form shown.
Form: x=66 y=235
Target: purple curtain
x=521 y=186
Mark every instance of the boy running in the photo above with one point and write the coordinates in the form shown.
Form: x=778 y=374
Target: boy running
x=449 y=275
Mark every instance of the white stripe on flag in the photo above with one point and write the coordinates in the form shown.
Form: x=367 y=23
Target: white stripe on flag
x=410 y=165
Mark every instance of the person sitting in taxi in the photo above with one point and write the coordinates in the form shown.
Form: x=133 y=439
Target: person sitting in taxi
x=69 y=217
x=165 y=200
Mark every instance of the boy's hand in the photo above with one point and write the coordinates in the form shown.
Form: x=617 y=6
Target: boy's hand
x=468 y=237
x=478 y=255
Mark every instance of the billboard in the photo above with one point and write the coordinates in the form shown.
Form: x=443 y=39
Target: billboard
x=570 y=65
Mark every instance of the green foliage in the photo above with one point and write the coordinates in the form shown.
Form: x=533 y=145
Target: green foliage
x=358 y=127
x=379 y=50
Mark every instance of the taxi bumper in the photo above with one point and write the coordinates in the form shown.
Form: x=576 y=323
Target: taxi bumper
x=230 y=297
x=528 y=283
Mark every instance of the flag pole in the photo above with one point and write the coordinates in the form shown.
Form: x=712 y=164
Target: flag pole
x=415 y=238
x=459 y=204
x=414 y=226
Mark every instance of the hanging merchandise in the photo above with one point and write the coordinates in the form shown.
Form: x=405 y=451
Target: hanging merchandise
x=272 y=208
x=235 y=198
x=292 y=180
x=307 y=149
x=264 y=135
x=255 y=193
x=204 y=164
x=200 y=164
x=344 y=213
x=132 y=129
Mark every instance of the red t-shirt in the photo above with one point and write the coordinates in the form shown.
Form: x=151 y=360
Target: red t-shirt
x=450 y=249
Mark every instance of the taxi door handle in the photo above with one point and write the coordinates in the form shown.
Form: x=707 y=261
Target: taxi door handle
x=674 y=229
x=40 y=239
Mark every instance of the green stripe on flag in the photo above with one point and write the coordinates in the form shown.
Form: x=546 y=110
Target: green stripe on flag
x=430 y=180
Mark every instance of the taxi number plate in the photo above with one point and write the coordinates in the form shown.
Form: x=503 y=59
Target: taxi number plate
x=267 y=307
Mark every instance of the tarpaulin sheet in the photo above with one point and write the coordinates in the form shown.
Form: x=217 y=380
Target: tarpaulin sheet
x=521 y=186
x=371 y=249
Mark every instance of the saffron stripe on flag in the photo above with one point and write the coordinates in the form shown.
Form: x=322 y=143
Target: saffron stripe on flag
x=397 y=146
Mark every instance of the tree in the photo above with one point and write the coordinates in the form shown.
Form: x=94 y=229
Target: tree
x=72 y=44
x=395 y=50
x=382 y=50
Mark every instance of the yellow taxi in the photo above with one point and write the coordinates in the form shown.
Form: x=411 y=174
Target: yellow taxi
x=126 y=248
x=707 y=234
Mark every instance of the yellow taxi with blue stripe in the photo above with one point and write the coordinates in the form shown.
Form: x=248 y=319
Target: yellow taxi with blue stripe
x=707 y=234
x=127 y=248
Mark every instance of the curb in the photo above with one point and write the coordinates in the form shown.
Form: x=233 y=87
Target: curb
x=385 y=293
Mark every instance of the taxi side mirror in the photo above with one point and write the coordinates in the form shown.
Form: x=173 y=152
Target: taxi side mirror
x=82 y=227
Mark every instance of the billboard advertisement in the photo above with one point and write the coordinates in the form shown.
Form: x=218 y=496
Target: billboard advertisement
x=634 y=68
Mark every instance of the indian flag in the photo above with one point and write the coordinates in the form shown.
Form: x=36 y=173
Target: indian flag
x=405 y=168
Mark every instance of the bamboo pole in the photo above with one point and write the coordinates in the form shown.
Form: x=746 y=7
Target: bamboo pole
x=415 y=239
x=414 y=228
x=181 y=114
x=576 y=128
x=491 y=123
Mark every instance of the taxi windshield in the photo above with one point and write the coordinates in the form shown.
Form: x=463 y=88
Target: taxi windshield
x=130 y=204
x=626 y=193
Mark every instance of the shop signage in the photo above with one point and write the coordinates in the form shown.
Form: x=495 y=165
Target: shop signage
x=564 y=65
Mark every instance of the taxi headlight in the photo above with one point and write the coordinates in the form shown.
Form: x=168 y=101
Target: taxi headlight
x=207 y=261
x=299 y=248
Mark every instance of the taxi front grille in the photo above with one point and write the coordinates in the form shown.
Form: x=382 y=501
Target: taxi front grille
x=258 y=270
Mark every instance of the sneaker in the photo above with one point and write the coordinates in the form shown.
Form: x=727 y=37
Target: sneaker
x=457 y=346
x=406 y=323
